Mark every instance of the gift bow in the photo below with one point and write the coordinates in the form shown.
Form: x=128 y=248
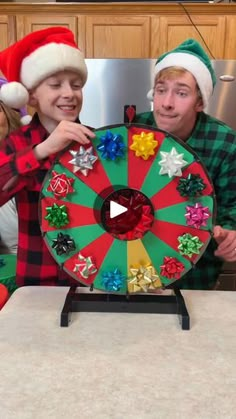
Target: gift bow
x=144 y=279
x=85 y=267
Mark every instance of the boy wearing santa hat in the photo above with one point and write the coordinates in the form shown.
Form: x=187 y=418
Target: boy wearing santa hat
x=46 y=70
x=184 y=81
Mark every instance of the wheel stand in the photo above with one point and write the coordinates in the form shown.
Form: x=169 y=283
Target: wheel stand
x=77 y=301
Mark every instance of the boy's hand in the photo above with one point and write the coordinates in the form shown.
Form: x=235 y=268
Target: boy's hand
x=61 y=137
x=226 y=240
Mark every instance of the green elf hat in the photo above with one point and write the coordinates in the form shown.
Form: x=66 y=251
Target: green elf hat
x=192 y=57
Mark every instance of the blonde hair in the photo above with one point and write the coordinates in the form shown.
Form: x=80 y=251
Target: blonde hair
x=13 y=117
x=173 y=72
x=170 y=72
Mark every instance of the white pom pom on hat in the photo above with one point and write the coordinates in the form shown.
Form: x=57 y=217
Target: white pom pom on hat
x=14 y=95
x=25 y=118
x=34 y=58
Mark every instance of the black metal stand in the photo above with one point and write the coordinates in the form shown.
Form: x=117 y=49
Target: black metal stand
x=114 y=303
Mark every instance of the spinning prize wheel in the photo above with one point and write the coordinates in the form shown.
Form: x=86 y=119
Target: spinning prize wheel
x=130 y=213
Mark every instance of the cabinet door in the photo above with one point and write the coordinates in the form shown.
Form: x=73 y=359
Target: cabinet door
x=230 y=38
x=169 y=31
x=117 y=36
x=7 y=31
x=30 y=23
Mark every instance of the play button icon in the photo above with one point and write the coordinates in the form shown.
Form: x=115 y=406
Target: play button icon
x=125 y=213
x=116 y=209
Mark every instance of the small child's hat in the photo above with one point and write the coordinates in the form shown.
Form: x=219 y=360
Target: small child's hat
x=34 y=58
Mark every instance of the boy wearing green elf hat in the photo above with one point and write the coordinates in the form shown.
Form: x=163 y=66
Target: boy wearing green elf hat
x=183 y=84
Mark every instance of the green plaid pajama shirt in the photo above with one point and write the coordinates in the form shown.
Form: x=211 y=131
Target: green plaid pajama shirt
x=215 y=144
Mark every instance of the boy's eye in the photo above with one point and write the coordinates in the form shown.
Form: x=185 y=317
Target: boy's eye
x=54 y=84
x=182 y=94
x=159 y=90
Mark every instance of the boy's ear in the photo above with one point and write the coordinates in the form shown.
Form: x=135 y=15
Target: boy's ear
x=32 y=99
x=199 y=105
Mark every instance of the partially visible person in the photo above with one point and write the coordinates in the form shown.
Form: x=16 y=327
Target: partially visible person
x=10 y=120
x=184 y=80
x=46 y=70
x=8 y=228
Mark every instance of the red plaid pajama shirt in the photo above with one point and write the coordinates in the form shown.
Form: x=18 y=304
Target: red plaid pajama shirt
x=24 y=174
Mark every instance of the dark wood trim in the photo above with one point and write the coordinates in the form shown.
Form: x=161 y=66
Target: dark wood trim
x=139 y=8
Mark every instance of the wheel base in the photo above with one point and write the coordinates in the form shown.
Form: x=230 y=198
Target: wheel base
x=77 y=301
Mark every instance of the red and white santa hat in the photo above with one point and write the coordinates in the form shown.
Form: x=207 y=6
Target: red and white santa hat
x=34 y=58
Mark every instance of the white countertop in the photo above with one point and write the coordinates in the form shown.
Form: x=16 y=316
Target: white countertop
x=118 y=366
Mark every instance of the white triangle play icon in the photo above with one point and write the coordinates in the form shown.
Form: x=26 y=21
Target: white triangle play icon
x=116 y=209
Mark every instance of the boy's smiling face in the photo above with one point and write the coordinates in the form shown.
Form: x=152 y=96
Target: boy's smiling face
x=58 y=98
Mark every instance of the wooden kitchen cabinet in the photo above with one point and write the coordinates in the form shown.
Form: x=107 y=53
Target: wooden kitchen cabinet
x=28 y=23
x=169 y=31
x=117 y=36
x=7 y=31
x=230 y=37
x=127 y=30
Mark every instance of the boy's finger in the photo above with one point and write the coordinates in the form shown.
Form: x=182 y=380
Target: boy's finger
x=90 y=133
x=84 y=129
x=218 y=233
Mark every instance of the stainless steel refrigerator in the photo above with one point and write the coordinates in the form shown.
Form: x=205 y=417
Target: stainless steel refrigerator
x=114 y=83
